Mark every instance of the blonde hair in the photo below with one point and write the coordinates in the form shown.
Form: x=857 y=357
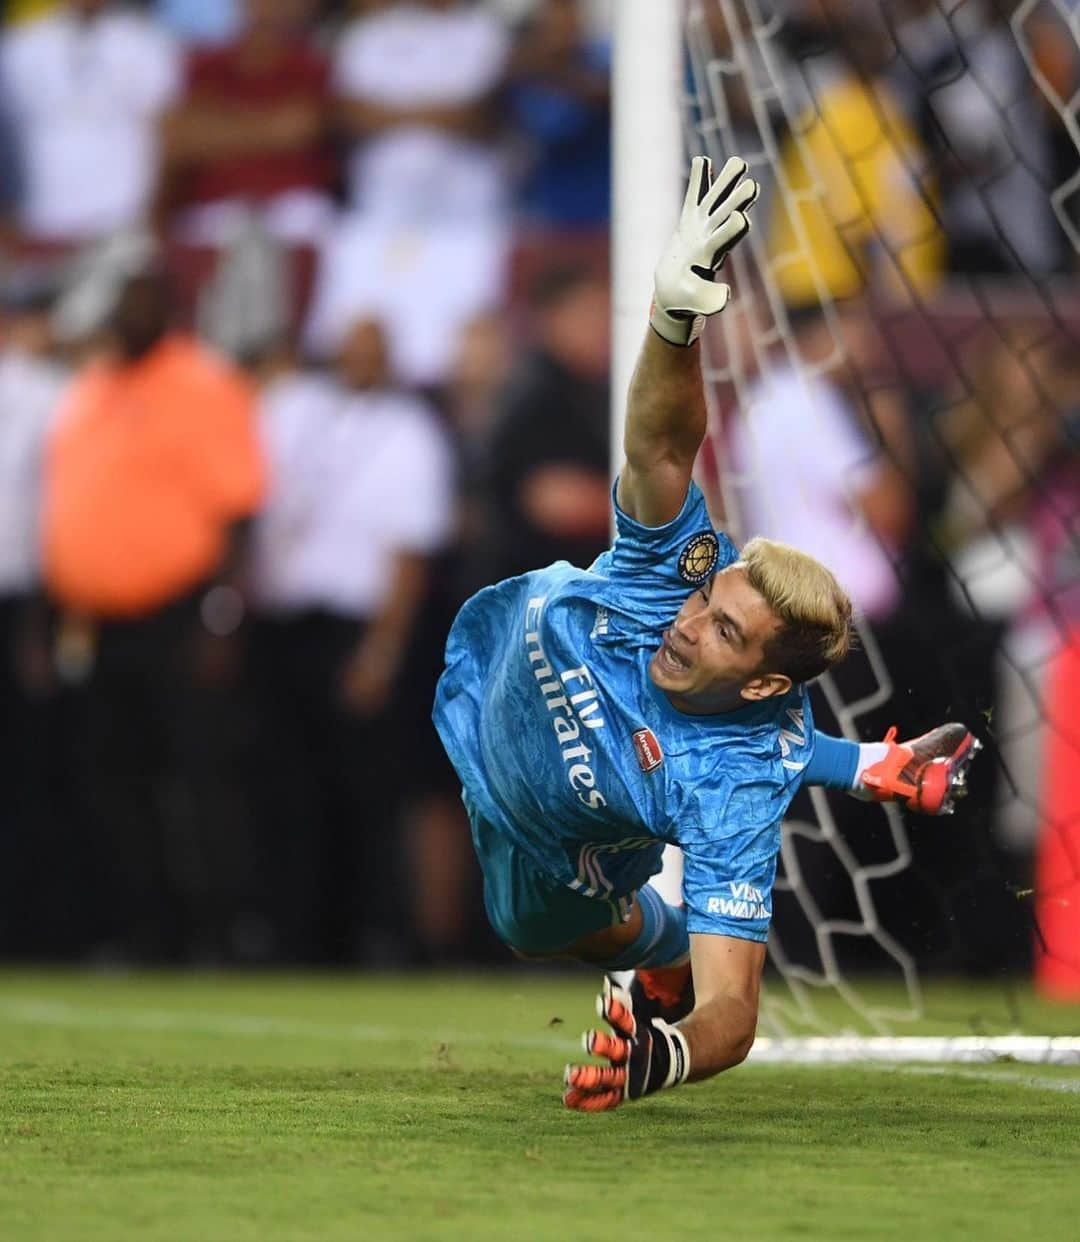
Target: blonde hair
x=812 y=607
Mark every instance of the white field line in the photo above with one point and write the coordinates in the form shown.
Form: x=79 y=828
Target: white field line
x=1069 y=1085
x=928 y=1049
x=61 y=1014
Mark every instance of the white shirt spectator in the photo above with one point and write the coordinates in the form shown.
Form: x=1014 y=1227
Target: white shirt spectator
x=412 y=56
x=85 y=96
x=425 y=283
x=800 y=460
x=357 y=477
x=30 y=391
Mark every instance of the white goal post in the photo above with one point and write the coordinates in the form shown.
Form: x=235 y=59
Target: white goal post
x=647 y=167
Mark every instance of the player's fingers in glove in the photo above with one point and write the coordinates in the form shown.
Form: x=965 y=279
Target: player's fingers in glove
x=700 y=182
x=594 y=1088
x=613 y=1047
x=726 y=192
x=727 y=183
x=617 y=1009
x=742 y=198
x=595 y=1077
x=598 y=1088
x=734 y=229
x=591 y=1101
x=734 y=222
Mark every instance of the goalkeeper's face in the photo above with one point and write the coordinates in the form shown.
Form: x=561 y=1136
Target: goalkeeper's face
x=712 y=658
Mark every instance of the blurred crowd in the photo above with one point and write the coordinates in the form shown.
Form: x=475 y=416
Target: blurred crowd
x=305 y=337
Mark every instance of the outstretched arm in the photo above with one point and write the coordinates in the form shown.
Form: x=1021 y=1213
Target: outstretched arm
x=727 y=983
x=665 y=425
x=645 y=1055
x=665 y=413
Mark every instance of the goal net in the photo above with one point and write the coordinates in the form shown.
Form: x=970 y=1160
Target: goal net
x=895 y=387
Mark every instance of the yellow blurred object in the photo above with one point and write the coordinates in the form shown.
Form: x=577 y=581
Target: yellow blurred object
x=24 y=10
x=853 y=208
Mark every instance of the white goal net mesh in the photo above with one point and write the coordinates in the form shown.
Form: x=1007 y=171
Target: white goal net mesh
x=895 y=388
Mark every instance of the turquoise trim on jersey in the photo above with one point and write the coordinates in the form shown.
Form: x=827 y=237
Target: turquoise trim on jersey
x=834 y=763
x=546 y=685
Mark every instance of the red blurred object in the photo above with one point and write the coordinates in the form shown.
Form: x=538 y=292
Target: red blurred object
x=225 y=78
x=1057 y=865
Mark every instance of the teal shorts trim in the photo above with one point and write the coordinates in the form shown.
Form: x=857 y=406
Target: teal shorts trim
x=531 y=913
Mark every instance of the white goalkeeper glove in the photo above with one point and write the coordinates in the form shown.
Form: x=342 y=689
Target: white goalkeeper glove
x=714 y=218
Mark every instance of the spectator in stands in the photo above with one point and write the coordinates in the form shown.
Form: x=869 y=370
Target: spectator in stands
x=30 y=387
x=548 y=458
x=416 y=83
x=963 y=77
x=426 y=185
x=360 y=502
x=85 y=86
x=485 y=351
x=480 y=372
x=152 y=469
x=251 y=131
x=559 y=88
x=31 y=383
x=444 y=881
x=807 y=460
x=855 y=211
x=1007 y=529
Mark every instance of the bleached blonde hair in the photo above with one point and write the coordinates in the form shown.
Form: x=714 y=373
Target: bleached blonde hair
x=812 y=607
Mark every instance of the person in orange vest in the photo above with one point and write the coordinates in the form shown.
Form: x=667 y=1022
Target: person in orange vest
x=150 y=474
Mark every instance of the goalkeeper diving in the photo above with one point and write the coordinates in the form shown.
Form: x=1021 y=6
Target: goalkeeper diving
x=595 y=715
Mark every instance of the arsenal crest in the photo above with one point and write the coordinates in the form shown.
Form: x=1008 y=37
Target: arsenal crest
x=649 y=754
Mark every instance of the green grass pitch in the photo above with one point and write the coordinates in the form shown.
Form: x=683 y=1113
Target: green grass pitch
x=316 y=1107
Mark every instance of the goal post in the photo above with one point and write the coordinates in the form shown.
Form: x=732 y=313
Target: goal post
x=647 y=165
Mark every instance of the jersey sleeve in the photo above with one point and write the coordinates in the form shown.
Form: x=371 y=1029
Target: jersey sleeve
x=727 y=886
x=657 y=566
x=729 y=827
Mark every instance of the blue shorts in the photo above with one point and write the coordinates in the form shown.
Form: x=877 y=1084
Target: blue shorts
x=531 y=913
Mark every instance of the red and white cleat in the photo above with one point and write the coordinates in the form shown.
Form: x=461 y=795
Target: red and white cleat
x=928 y=773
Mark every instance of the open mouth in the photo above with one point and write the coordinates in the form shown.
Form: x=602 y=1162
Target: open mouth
x=670 y=658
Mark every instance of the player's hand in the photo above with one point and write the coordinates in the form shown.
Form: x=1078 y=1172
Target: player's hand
x=640 y=1057
x=714 y=218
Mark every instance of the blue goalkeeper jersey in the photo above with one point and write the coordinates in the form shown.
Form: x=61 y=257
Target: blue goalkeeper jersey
x=563 y=742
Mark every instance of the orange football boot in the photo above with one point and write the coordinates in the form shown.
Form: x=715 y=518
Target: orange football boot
x=928 y=773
